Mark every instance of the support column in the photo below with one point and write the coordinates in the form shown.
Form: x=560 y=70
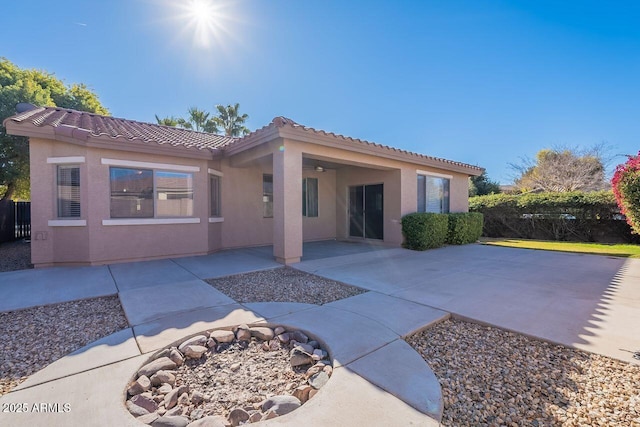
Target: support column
x=287 y=204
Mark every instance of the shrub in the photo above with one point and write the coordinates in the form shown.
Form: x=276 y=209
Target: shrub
x=464 y=228
x=578 y=216
x=626 y=187
x=425 y=230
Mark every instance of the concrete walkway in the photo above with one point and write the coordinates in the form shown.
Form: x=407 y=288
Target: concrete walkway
x=583 y=301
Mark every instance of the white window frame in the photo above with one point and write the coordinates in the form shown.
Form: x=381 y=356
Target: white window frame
x=70 y=221
x=130 y=164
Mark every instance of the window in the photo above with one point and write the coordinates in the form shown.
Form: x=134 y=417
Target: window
x=433 y=194
x=68 y=184
x=144 y=193
x=214 y=182
x=267 y=196
x=310 y=197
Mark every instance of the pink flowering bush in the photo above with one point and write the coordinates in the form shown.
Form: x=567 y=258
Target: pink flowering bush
x=626 y=187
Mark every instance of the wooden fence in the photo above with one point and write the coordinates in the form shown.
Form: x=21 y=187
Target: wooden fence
x=15 y=220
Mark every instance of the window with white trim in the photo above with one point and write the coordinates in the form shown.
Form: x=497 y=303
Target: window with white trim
x=147 y=193
x=214 y=183
x=433 y=194
x=68 y=191
x=310 y=197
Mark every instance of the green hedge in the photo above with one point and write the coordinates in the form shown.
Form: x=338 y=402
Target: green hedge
x=425 y=230
x=575 y=216
x=464 y=228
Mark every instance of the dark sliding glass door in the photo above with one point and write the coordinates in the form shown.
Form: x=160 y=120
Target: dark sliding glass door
x=366 y=206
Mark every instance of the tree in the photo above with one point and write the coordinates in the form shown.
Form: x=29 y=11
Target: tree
x=197 y=120
x=169 y=121
x=42 y=89
x=562 y=170
x=231 y=123
x=481 y=185
x=626 y=187
x=227 y=121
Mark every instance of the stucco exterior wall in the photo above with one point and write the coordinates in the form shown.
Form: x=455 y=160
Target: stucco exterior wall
x=322 y=227
x=242 y=222
x=95 y=242
x=242 y=206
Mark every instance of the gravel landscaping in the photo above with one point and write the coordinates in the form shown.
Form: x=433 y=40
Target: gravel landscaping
x=283 y=285
x=15 y=256
x=491 y=377
x=229 y=377
x=35 y=337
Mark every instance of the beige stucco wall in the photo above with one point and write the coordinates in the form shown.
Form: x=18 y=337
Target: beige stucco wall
x=322 y=227
x=96 y=243
x=242 y=206
x=243 y=223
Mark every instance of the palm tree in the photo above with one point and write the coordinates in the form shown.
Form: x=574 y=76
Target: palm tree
x=199 y=121
x=168 y=121
x=229 y=121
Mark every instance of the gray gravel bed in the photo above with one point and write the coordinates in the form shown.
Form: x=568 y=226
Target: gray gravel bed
x=491 y=377
x=35 y=337
x=283 y=285
x=15 y=256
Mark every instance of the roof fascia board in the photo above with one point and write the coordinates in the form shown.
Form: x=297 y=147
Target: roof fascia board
x=259 y=137
x=360 y=147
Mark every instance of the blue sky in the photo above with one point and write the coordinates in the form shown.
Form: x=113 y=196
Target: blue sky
x=483 y=82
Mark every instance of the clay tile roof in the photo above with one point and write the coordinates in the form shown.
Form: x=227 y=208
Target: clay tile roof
x=284 y=121
x=72 y=122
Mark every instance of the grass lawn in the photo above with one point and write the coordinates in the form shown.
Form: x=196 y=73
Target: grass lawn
x=610 y=249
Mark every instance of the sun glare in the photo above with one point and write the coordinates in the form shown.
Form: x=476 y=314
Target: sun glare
x=204 y=20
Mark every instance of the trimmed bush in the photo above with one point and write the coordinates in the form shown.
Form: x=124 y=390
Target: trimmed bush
x=424 y=231
x=575 y=216
x=464 y=228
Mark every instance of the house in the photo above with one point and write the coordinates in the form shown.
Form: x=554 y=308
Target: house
x=107 y=190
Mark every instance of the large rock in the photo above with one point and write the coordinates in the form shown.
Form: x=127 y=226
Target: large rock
x=161 y=364
x=164 y=389
x=305 y=347
x=281 y=405
x=140 y=385
x=222 y=336
x=171 y=421
x=279 y=330
x=176 y=356
x=210 y=421
x=302 y=393
x=171 y=398
x=163 y=377
x=238 y=416
x=318 y=380
x=300 y=357
x=299 y=336
x=145 y=402
x=262 y=333
x=135 y=410
x=284 y=338
x=149 y=418
x=194 y=351
x=243 y=333
x=197 y=340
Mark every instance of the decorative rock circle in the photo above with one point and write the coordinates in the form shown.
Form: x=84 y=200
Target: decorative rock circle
x=229 y=377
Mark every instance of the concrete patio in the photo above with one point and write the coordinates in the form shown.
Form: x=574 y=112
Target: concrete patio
x=587 y=302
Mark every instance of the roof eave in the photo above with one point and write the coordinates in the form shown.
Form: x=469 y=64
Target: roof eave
x=349 y=144
x=79 y=136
